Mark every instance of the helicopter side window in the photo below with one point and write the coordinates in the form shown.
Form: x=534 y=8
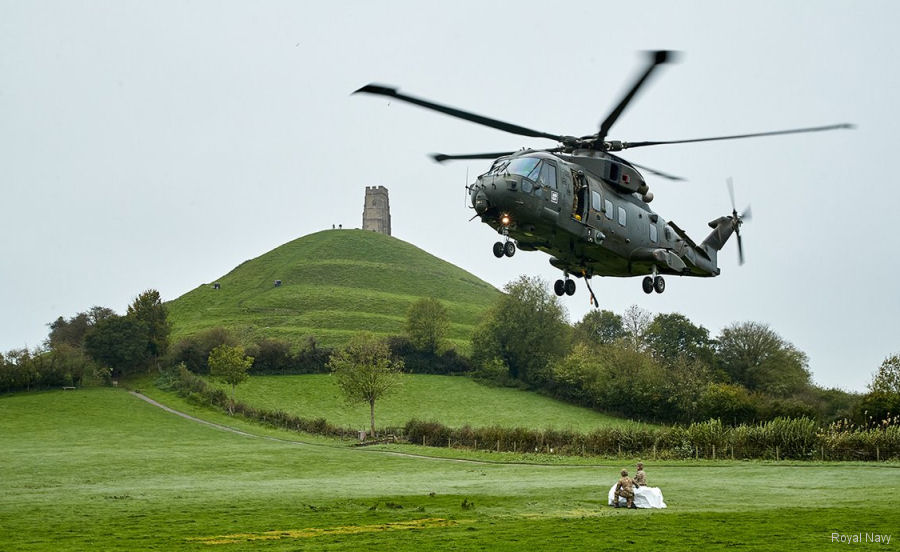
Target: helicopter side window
x=596 y=201
x=548 y=175
x=622 y=216
x=653 y=233
x=609 y=209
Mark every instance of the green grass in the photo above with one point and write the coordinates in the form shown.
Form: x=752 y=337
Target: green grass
x=335 y=283
x=452 y=400
x=99 y=469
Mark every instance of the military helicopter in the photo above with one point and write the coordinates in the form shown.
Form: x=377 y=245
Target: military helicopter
x=586 y=207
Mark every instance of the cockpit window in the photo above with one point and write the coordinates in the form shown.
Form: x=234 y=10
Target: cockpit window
x=524 y=166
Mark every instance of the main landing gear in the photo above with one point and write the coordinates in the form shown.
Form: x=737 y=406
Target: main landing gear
x=564 y=287
x=656 y=283
x=501 y=249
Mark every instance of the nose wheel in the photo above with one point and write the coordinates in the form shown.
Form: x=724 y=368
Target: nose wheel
x=508 y=249
x=657 y=284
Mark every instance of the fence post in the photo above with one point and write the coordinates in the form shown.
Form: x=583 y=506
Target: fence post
x=822 y=448
x=498 y=445
x=620 y=450
x=877 y=453
x=448 y=442
x=714 y=452
x=777 y=451
x=476 y=444
x=515 y=443
x=696 y=453
x=654 y=450
x=732 y=452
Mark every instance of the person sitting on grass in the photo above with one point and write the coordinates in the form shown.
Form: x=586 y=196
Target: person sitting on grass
x=625 y=489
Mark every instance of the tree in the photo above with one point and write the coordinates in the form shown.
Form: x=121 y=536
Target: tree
x=427 y=322
x=883 y=399
x=756 y=357
x=600 y=327
x=731 y=404
x=69 y=332
x=887 y=378
x=149 y=309
x=365 y=372
x=194 y=350
x=526 y=329
x=636 y=321
x=230 y=365
x=271 y=356
x=671 y=336
x=119 y=343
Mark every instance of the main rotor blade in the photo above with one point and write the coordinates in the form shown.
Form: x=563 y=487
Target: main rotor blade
x=380 y=90
x=740 y=250
x=440 y=157
x=656 y=58
x=628 y=145
x=657 y=173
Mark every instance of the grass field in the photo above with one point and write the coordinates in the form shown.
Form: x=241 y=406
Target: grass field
x=453 y=400
x=334 y=283
x=99 y=469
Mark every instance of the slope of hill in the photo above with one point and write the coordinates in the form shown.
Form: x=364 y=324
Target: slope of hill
x=454 y=401
x=334 y=283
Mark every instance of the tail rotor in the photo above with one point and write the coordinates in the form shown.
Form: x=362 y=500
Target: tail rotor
x=737 y=220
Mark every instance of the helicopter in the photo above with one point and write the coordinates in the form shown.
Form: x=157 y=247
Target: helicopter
x=587 y=207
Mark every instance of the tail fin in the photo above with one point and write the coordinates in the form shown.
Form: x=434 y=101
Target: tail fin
x=723 y=228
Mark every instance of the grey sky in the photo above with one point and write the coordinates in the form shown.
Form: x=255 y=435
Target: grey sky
x=160 y=144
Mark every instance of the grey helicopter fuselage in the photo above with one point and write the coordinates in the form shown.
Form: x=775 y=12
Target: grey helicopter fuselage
x=589 y=210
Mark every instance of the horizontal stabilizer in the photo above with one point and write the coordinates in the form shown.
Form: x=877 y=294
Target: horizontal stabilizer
x=683 y=235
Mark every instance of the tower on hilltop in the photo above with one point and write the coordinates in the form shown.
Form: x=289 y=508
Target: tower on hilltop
x=377 y=210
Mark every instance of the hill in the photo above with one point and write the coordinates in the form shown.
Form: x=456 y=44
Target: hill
x=334 y=284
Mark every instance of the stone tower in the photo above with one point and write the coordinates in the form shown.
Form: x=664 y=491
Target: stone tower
x=377 y=210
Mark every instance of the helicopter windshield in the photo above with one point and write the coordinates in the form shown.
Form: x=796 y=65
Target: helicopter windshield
x=529 y=167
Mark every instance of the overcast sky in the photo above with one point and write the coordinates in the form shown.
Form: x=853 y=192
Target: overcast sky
x=160 y=144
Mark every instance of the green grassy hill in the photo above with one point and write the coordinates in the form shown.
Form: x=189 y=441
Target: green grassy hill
x=452 y=400
x=334 y=283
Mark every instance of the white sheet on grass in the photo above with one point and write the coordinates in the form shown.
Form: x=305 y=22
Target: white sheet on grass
x=644 y=497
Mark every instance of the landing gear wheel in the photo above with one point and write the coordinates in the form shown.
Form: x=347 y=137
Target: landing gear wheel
x=559 y=288
x=498 y=249
x=509 y=249
x=570 y=287
x=659 y=284
x=647 y=284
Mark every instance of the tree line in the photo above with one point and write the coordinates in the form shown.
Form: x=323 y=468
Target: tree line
x=661 y=368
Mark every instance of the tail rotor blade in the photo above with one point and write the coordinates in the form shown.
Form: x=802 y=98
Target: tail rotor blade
x=730 y=183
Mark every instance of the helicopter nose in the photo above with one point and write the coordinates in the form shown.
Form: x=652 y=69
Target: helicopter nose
x=480 y=202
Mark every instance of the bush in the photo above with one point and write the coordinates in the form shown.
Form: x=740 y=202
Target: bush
x=423 y=362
